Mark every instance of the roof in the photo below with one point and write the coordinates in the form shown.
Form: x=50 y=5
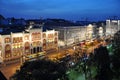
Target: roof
x=1 y=17
x=47 y=28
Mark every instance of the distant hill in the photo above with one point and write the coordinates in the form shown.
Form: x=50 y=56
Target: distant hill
x=1 y=17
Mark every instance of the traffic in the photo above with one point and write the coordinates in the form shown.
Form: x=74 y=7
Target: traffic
x=71 y=55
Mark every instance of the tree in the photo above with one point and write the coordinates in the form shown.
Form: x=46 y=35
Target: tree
x=116 y=56
x=41 y=70
x=102 y=61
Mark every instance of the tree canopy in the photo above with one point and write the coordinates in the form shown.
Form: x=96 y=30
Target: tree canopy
x=41 y=70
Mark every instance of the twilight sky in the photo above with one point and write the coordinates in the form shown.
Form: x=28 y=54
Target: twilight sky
x=67 y=9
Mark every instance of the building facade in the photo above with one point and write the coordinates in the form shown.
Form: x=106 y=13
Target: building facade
x=15 y=45
x=112 y=26
x=74 y=34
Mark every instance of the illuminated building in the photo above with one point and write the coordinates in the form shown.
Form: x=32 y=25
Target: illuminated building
x=15 y=45
x=69 y=35
x=74 y=34
x=100 y=31
x=112 y=26
x=89 y=31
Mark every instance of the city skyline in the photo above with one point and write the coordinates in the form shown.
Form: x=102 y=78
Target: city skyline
x=71 y=10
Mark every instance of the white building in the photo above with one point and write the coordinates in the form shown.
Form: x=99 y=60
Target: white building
x=89 y=31
x=100 y=31
x=112 y=26
x=15 y=45
x=74 y=34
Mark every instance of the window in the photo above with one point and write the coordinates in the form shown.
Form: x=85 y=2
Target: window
x=26 y=37
x=7 y=51
x=44 y=35
x=56 y=34
x=7 y=40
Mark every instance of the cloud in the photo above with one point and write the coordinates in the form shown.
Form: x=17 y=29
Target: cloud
x=58 y=7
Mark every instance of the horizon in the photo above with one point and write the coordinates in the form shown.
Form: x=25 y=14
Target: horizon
x=85 y=19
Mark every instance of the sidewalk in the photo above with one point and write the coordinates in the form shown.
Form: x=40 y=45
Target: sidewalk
x=9 y=70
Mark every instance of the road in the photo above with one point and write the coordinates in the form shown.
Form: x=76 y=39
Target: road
x=9 y=70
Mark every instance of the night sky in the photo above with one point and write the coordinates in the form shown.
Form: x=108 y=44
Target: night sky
x=66 y=9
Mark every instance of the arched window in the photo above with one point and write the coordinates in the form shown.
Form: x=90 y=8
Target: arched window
x=7 y=51
x=44 y=44
x=27 y=47
x=7 y=40
x=55 y=40
x=56 y=34
x=44 y=35
x=44 y=41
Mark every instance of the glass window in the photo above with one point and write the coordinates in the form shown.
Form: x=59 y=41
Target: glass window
x=7 y=40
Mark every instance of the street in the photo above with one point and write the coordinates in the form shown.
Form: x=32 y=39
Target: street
x=10 y=69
